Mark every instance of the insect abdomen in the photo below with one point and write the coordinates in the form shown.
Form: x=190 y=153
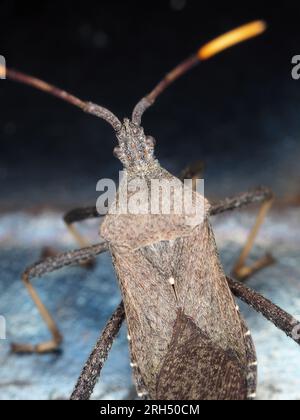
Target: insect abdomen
x=196 y=369
x=187 y=336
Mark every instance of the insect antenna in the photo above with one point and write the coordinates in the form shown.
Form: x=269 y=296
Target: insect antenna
x=87 y=107
x=223 y=42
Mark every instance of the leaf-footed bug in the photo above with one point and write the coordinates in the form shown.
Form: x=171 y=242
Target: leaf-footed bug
x=186 y=335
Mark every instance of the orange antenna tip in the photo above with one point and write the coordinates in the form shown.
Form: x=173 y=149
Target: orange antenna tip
x=2 y=72
x=234 y=37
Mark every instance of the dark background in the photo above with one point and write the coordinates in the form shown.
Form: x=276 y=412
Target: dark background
x=240 y=112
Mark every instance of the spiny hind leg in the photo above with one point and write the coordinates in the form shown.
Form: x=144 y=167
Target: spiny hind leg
x=241 y=270
x=47 y=266
x=273 y=313
x=92 y=368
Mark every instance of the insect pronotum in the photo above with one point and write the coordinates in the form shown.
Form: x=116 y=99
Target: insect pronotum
x=187 y=338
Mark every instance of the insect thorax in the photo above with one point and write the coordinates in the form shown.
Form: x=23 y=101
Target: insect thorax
x=135 y=150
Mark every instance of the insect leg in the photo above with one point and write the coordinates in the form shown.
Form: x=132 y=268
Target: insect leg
x=281 y=319
x=241 y=271
x=73 y=216
x=92 y=369
x=47 y=266
x=78 y=215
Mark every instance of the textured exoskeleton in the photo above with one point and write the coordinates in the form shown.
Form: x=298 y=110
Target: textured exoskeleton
x=187 y=338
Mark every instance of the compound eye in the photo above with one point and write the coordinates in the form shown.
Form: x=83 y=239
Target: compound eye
x=117 y=152
x=151 y=141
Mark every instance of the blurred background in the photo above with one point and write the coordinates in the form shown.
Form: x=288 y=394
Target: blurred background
x=239 y=113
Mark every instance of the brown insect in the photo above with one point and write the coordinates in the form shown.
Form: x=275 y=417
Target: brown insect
x=187 y=338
